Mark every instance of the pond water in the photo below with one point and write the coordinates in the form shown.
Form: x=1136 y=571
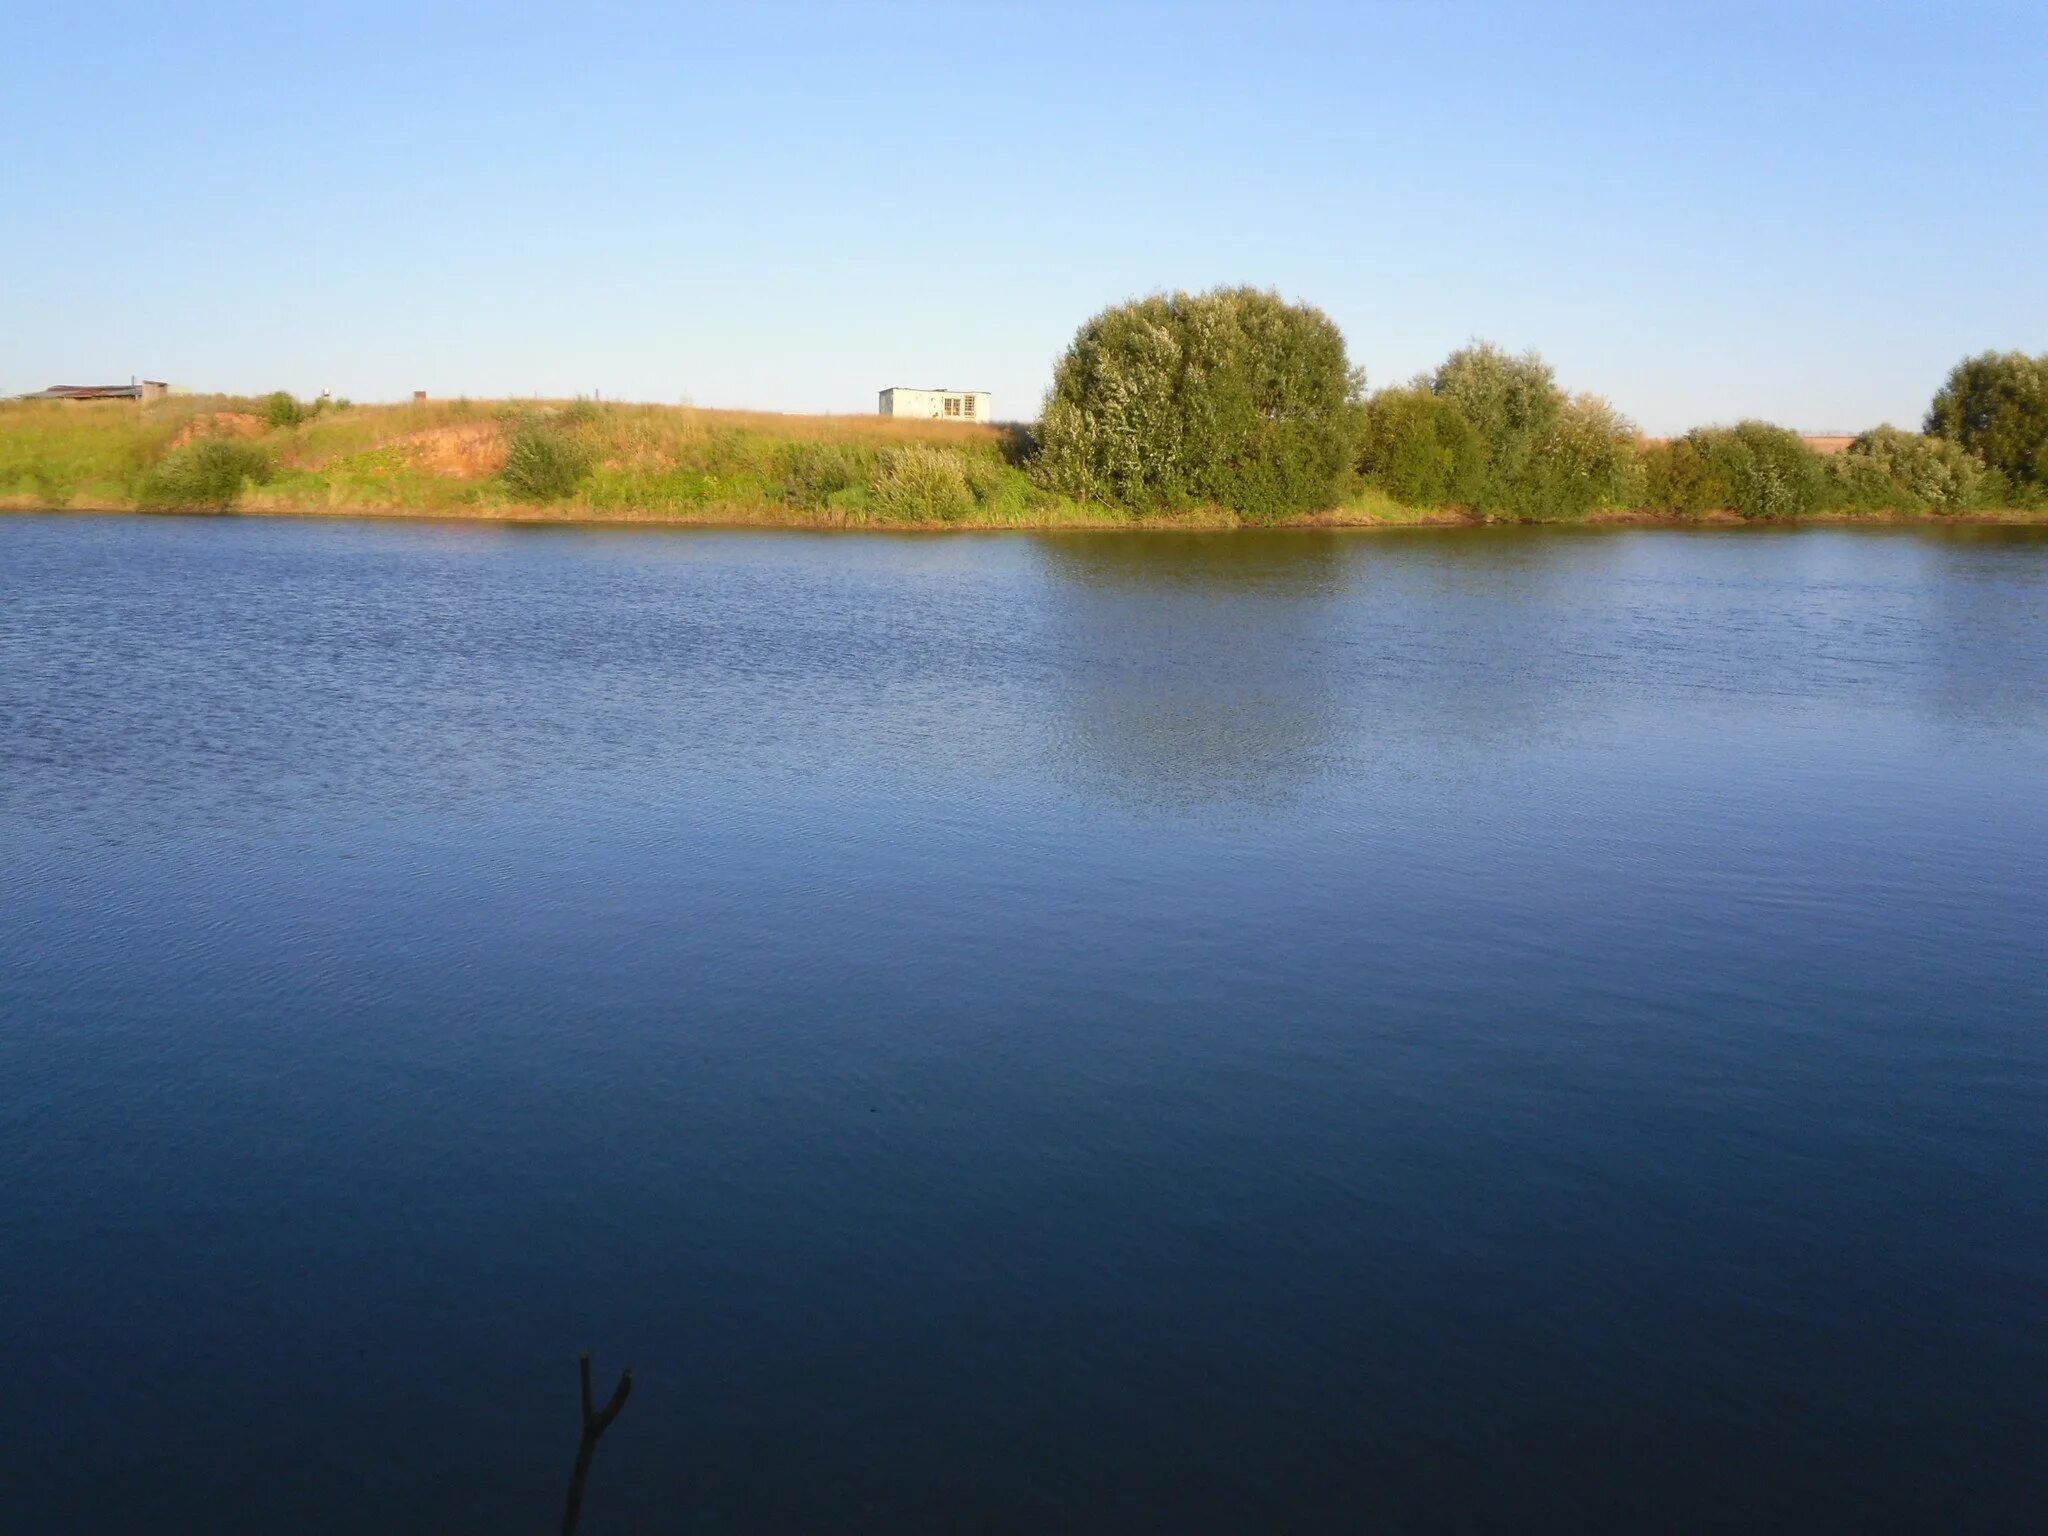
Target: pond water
x=1010 y=1033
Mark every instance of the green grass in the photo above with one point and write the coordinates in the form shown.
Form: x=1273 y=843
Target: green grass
x=62 y=453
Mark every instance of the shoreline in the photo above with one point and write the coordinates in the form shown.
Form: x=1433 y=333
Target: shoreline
x=1210 y=521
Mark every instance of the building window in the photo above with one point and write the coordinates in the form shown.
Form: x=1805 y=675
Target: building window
x=952 y=405
x=967 y=405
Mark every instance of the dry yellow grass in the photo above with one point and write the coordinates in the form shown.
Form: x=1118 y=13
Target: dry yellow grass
x=1823 y=442
x=879 y=430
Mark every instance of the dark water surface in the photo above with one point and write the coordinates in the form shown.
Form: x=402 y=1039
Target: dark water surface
x=1252 y=1033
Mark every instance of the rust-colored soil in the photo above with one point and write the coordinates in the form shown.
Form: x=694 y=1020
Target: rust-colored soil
x=218 y=424
x=461 y=453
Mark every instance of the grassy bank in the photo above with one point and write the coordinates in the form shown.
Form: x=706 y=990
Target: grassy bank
x=579 y=461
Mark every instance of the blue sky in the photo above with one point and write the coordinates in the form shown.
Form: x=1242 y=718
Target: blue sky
x=1800 y=212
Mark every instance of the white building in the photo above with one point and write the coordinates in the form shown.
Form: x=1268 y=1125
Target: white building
x=938 y=404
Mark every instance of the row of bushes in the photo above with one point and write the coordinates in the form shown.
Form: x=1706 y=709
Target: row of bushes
x=1764 y=471
x=1237 y=399
x=1422 y=449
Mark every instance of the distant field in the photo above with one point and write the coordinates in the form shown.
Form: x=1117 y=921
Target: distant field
x=1823 y=442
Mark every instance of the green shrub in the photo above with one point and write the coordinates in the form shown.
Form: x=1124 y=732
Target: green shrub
x=1858 y=483
x=208 y=473
x=1890 y=470
x=918 y=485
x=1421 y=449
x=1763 y=471
x=1996 y=405
x=1585 y=460
x=1230 y=398
x=808 y=475
x=281 y=410
x=1513 y=402
x=1680 y=477
x=544 y=461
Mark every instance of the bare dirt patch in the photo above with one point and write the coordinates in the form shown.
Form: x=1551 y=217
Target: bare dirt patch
x=469 y=452
x=218 y=424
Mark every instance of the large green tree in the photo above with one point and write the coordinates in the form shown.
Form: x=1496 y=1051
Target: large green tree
x=1230 y=398
x=1514 y=402
x=1996 y=405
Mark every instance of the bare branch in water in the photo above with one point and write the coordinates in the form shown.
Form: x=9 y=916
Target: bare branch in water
x=595 y=1423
